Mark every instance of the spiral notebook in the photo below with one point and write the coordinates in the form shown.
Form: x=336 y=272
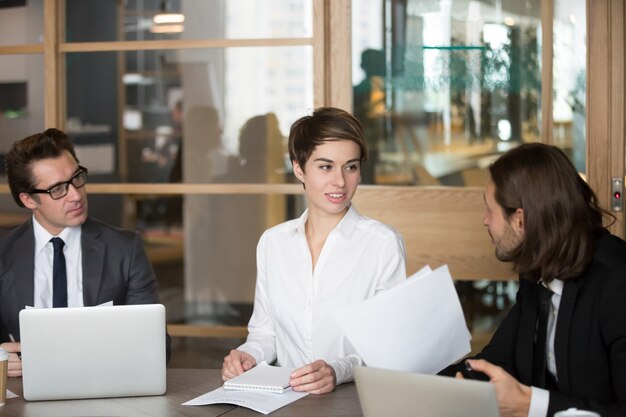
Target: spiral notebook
x=262 y=377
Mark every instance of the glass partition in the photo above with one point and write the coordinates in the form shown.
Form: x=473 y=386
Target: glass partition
x=21 y=99
x=443 y=87
x=111 y=20
x=195 y=116
x=192 y=116
x=21 y=22
x=569 y=79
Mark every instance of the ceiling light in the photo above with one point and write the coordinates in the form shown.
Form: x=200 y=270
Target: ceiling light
x=168 y=18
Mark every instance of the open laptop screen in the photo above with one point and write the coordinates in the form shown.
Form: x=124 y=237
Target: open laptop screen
x=93 y=352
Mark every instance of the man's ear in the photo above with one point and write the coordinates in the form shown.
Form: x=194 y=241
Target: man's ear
x=29 y=200
x=517 y=221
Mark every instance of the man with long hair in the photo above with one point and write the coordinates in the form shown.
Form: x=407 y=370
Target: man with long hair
x=545 y=220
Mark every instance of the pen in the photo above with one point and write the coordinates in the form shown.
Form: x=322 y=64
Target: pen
x=12 y=339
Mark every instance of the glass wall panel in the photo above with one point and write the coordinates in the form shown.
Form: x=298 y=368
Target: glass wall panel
x=206 y=269
x=21 y=114
x=196 y=116
x=569 y=79
x=21 y=22
x=443 y=87
x=111 y=20
x=193 y=116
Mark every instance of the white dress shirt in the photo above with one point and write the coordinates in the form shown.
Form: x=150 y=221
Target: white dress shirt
x=293 y=307
x=539 y=397
x=44 y=255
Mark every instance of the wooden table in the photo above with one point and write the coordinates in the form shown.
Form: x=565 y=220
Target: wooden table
x=182 y=385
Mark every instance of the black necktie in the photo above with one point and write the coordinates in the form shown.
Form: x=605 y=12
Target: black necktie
x=541 y=337
x=59 y=276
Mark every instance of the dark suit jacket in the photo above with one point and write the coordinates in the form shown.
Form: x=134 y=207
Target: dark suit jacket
x=115 y=268
x=590 y=340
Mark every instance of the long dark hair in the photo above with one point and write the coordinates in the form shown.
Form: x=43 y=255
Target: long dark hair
x=562 y=218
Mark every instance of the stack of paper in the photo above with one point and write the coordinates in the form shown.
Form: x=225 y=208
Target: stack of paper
x=418 y=325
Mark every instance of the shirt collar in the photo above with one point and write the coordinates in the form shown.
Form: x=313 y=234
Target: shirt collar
x=70 y=236
x=556 y=286
x=346 y=225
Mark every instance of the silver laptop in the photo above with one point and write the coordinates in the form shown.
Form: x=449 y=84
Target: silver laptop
x=93 y=352
x=399 y=394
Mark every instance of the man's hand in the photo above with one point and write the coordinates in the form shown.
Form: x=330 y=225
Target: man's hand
x=513 y=398
x=316 y=378
x=15 y=363
x=236 y=363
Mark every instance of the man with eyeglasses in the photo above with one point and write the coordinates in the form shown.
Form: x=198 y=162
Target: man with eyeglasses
x=61 y=257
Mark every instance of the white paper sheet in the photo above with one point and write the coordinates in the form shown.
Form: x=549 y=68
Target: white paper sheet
x=263 y=402
x=417 y=326
x=11 y=394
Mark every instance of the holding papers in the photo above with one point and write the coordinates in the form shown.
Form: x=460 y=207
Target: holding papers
x=417 y=326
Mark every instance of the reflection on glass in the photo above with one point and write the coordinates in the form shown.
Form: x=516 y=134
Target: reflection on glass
x=185 y=112
x=206 y=270
x=21 y=22
x=569 y=80
x=443 y=87
x=112 y=20
x=21 y=98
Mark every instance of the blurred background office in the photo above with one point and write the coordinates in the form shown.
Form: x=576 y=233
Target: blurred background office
x=180 y=109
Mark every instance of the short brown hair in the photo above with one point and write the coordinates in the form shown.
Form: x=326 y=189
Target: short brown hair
x=48 y=144
x=324 y=124
x=562 y=218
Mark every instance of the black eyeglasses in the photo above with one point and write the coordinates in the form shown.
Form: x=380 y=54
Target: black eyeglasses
x=59 y=190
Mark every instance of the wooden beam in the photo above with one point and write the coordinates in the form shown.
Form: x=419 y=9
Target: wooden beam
x=51 y=64
x=618 y=104
x=547 y=58
x=340 y=55
x=321 y=59
x=21 y=49
x=181 y=44
x=198 y=330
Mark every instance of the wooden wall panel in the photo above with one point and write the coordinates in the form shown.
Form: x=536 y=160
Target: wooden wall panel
x=440 y=225
x=605 y=99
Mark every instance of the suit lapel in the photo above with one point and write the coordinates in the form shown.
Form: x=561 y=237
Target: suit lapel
x=562 y=332
x=24 y=257
x=526 y=336
x=93 y=253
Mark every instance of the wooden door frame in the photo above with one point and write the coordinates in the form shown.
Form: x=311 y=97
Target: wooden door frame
x=605 y=100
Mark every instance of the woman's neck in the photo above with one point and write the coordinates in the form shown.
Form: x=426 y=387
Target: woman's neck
x=317 y=229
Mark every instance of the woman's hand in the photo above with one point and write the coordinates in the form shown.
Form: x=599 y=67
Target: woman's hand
x=316 y=378
x=236 y=363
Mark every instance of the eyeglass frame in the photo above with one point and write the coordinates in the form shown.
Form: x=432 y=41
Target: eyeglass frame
x=81 y=170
